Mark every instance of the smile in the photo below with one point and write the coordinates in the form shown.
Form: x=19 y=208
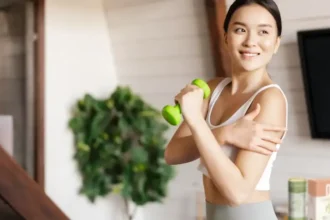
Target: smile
x=249 y=54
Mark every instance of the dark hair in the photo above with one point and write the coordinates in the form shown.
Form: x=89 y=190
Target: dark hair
x=269 y=5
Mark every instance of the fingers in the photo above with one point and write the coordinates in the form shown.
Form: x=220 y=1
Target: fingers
x=254 y=113
x=268 y=127
x=267 y=145
x=274 y=140
x=188 y=88
x=261 y=150
x=177 y=98
x=183 y=91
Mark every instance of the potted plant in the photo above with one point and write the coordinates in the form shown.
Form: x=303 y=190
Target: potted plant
x=119 y=148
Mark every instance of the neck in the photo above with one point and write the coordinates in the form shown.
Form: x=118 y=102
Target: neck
x=245 y=82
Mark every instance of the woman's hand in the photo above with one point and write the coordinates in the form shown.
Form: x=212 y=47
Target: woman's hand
x=190 y=100
x=250 y=135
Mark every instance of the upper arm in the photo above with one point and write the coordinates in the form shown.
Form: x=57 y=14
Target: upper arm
x=183 y=129
x=273 y=111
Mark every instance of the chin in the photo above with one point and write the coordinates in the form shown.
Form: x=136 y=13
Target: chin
x=249 y=67
x=250 y=64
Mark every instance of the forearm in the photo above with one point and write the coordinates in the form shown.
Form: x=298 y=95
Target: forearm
x=225 y=174
x=183 y=149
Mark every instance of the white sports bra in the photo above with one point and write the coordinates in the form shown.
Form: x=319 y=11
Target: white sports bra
x=231 y=151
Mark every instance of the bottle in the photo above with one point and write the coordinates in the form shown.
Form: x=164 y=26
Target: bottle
x=297 y=198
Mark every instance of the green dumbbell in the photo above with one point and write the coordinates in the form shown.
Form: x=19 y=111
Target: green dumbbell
x=172 y=114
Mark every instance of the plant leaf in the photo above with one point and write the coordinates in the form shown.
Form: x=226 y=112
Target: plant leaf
x=119 y=144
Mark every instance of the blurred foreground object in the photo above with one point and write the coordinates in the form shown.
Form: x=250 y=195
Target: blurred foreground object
x=119 y=148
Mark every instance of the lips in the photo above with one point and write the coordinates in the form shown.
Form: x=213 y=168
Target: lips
x=249 y=53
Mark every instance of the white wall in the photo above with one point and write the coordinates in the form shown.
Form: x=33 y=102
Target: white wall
x=78 y=60
x=299 y=155
x=159 y=47
x=151 y=41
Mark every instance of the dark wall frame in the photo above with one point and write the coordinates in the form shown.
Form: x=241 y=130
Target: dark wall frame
x=40 y=92
x=216 y=12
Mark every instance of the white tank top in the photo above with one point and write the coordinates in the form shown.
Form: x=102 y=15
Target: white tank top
x=231 y=151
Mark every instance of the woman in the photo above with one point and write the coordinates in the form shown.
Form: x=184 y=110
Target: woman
x=246 y=115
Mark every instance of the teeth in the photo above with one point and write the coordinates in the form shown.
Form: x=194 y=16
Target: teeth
x=250 y=54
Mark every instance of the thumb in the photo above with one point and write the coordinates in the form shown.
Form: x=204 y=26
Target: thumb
x=254 y=113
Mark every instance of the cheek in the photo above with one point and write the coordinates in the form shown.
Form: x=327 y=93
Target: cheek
x=268 y=45
x=233 y=44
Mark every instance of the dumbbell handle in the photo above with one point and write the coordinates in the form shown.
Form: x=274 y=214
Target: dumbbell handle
x=172 y=114
x=177 y=107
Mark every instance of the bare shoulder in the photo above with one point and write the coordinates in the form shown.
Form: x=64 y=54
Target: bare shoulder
x=272 y=95
x=273 y=106
x=214 y=82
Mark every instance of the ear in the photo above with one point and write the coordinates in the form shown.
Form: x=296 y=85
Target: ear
x=226 y=38
x=277 y=44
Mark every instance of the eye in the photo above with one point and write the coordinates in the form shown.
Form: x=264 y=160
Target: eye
x=239 y=30
x=263 y=32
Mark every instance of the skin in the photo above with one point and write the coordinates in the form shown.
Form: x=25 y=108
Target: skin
x=252 y=28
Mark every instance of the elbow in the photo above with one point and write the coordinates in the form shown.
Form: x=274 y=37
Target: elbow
x=236 y=197
x=167 y=157
x=236 y=200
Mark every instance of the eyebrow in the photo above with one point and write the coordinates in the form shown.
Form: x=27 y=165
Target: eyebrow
x=260 y=25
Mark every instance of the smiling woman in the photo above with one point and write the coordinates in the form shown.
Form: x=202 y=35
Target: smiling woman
x=254 y=28
x=237 y=132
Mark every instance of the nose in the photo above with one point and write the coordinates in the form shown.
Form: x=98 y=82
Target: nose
x=250 y=40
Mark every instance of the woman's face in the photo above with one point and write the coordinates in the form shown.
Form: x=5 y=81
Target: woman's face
x=251 y=38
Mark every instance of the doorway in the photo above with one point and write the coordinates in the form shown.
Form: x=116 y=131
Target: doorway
x=21 y=80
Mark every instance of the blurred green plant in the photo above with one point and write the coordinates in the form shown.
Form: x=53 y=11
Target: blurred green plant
x=119 y=148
